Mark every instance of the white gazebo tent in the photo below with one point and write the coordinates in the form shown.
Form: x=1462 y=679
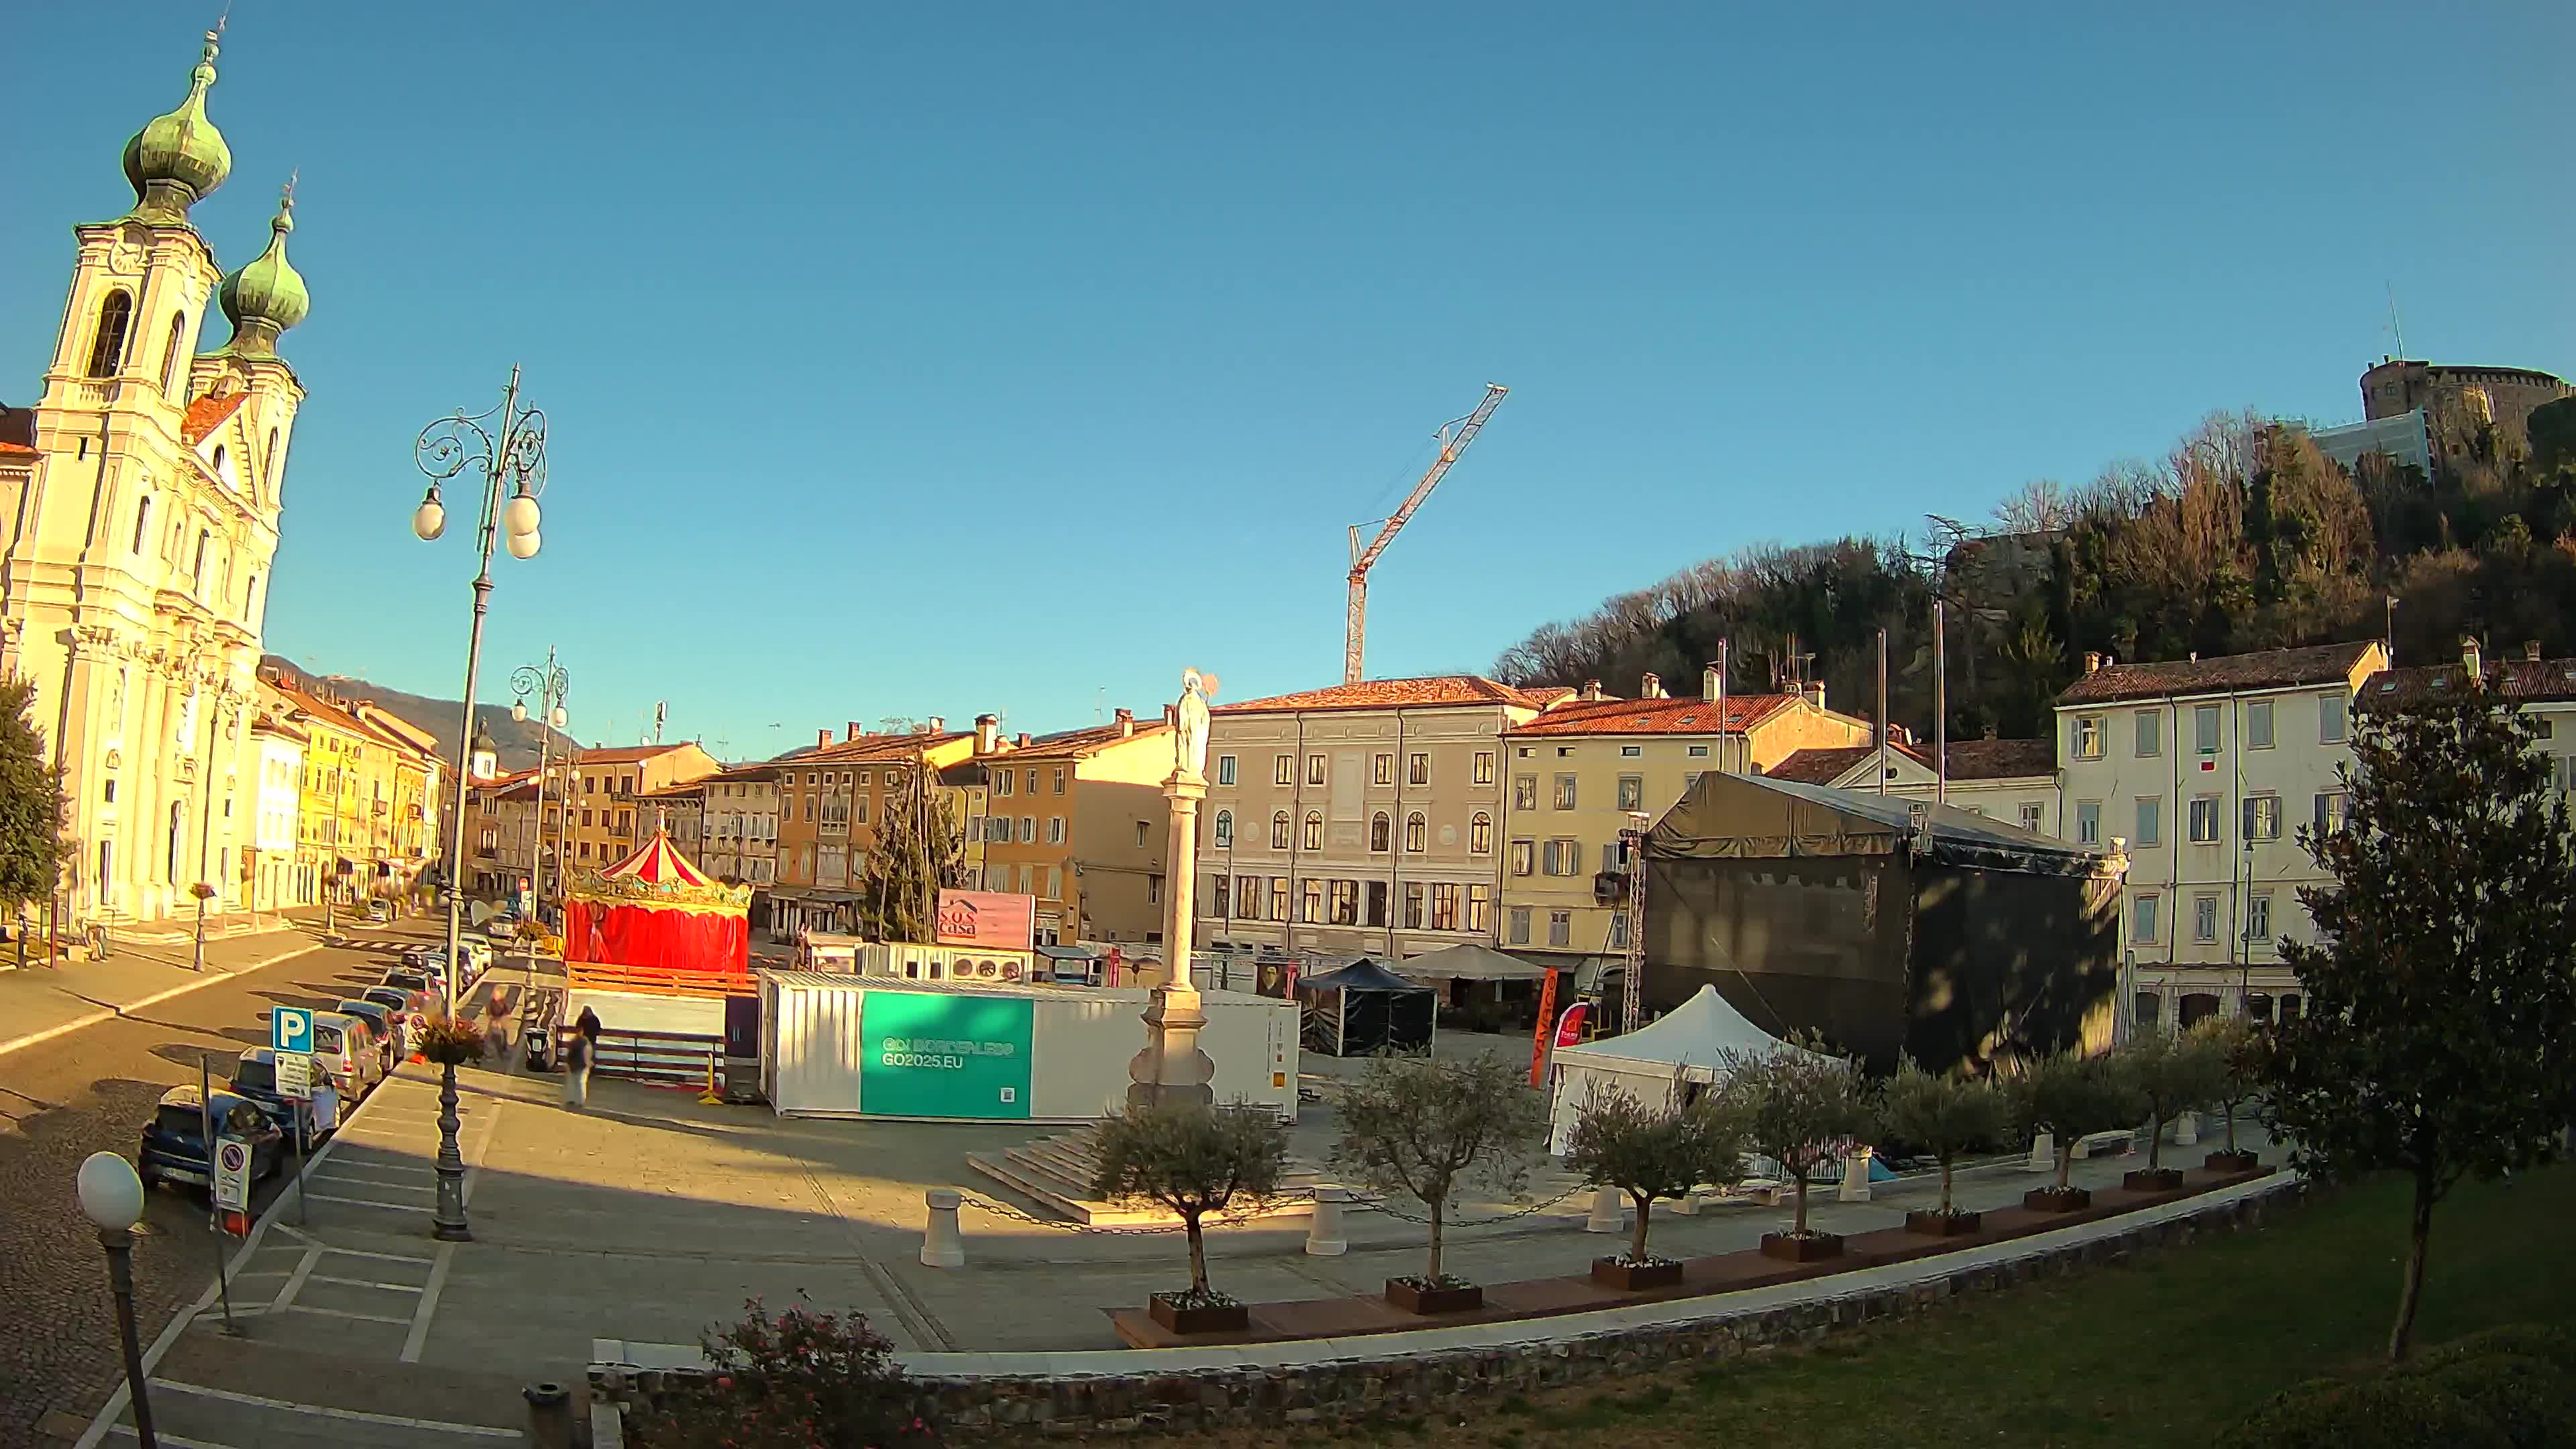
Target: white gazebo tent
x=1676 y=1051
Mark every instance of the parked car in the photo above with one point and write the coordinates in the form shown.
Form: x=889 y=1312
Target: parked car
x=411 y=1010
x=174 y=1138
x=255 y=1078
x=344 y=1047
x=378 y=913
x=429 y=984
x=392 y=1046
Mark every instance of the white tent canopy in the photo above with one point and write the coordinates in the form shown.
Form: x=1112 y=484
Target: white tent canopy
x=1681 y=1047
x=1471 y=962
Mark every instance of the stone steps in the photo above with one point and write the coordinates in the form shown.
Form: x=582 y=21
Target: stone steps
x=1057 y=1173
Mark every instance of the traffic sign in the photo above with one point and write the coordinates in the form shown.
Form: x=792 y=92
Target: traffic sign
x=294 y=1076
x=290 y=1029
x=232 y=1175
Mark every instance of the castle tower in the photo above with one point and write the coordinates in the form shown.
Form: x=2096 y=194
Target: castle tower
x=134 y=578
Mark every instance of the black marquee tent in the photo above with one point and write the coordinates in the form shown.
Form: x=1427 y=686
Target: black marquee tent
x=1363 y=1009
x=1886 y=925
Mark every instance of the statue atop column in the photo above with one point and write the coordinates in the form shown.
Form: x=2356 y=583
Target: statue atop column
x=1190 y=739
x=1173 y=1067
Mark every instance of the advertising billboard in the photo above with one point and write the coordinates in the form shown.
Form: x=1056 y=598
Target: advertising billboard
x=991 y=919
x=937 y=1054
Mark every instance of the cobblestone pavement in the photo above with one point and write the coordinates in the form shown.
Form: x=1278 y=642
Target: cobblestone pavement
x=90 y=1090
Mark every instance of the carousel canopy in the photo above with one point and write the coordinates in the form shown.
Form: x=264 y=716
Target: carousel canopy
x=658 y=862
x=657 y=875
x=656 y=911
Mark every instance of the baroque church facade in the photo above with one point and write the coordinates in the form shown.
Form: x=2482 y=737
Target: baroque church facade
x=142 y=495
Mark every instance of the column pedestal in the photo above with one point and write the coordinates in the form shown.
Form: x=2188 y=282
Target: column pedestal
x=1172 y=1068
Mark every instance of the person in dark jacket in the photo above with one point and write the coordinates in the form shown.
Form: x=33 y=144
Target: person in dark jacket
x=578 y=1054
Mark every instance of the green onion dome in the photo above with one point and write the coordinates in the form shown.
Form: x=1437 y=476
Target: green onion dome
x=175 y=160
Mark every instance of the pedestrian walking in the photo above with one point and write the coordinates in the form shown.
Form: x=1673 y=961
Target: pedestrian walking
x=581 y=1051
x=496 y=1029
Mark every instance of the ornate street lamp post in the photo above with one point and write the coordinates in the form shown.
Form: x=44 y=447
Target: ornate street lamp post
x=549 y=685
x=508 y=446
x=111 y=1197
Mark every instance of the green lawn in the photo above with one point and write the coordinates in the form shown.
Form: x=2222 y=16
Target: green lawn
x=2166 y=1351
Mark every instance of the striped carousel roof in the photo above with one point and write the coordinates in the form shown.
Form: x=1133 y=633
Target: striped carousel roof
x=658 y=862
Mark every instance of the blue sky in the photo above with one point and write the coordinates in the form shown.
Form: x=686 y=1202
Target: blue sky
x=934 y=359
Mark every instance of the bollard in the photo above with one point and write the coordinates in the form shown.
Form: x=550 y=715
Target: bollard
x=941 y=1244
x=711 y=1097
x=1324 y=1230
x=549 y=1415
x=1606 y=1215
x=2043 y=1153
x=1855 y=1186
x=2186 y=1129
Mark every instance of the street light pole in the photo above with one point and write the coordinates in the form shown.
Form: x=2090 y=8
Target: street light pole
x=111 y=1197
x=508 y=445
x=548 y=685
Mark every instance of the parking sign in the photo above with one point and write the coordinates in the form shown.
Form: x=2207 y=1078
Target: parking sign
x=295 y=1076
x=290 y=1029
x=232 y=1175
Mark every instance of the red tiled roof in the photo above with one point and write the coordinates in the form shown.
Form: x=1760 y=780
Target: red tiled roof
x=2513 y=679
x=2270 y=669
x=16 y=450
x=624 y=754
x=872 y=747
x=1427 y=692
x=1969 y=760
x=1082 y=744
x=1686 y=715
x=207 y=414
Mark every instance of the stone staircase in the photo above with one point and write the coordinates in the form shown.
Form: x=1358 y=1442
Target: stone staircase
x=1056 y=1173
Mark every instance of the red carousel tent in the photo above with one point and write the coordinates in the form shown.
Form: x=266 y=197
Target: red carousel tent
x=656 y=911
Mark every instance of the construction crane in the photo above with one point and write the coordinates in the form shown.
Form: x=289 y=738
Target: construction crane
x=1454 y=437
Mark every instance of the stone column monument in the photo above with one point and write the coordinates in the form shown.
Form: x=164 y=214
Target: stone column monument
x=1172 y=1068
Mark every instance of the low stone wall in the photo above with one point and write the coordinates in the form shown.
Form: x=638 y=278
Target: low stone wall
x=1426 y=1381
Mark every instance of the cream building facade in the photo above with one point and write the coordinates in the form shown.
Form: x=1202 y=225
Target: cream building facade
x=1578 y=772
x=741 y=826
x=143 y=506
x=1363 y=818
x=2205 y=769
x=2011 y=781
x=274 y=883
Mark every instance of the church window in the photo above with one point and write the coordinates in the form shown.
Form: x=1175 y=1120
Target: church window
x=197 y=570
x=171 y=381
x=142 y=522
x=178 y=827
x=270 y=465
x=220 y=474
x=107 y=349
x=250 y=598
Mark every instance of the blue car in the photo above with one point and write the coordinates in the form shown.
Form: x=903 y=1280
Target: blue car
x=174 y=1141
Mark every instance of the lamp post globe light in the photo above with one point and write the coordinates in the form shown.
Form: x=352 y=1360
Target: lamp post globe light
x=548 y=683
x=507 y=446
x=111 y=1197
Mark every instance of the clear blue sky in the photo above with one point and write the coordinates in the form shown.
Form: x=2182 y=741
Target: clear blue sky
x=932 y=359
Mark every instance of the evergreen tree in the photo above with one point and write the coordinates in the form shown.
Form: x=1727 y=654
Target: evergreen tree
x=920 y=849
x=2440 y=1035
x=31 y=802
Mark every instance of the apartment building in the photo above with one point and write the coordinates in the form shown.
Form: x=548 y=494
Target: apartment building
x=2543 y=689
x=831 y=800
x=740 y=829
x=505 y=834
x=273 y=881
x=2205 y=769
x=603 y=825
x=1578 y=771
x=1078 y=820
x=1363 y=818
x=2013 y=781
x=359 y=784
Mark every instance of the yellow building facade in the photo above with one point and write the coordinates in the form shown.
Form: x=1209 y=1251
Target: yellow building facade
x=1079 y=821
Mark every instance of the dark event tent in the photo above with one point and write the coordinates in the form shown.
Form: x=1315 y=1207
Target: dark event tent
x=1363 y=1009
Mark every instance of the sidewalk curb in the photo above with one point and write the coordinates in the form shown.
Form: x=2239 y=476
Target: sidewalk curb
x=156 y=998
x=103 y=1422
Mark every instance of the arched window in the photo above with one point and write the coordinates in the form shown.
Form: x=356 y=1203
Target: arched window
x=142 y=522
x=170 y=379
x=1279 y=831
x=271 y=467
x=1225 y=830
x=107 y=348
x=1480 y=834
x=250 y=598
x=219 y=464
x=1417 y=831
x=1314 y=830
x=1379 y=832
x=197 y=570
x=178 y=828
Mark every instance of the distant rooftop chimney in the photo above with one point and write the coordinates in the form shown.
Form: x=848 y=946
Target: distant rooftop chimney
x=1126 y=723
x=1591 y=690
x=2092 y=661
x=939 y=724
x=855 y=732
x=1651 y=687
x=1709 y=685
x=2471 y=658
x=988 y=729
x=1815 y=695
x=1023 y=740
x=822 y=738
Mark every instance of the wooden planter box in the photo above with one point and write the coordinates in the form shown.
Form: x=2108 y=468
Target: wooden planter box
x=1433 y=1300
x=1212 y=1318
x=1939 y=1225
x=2056 y=1200
x=2231 y=1162
x=2152 y=1179
x=1814 y=1248
x=1635 y=1277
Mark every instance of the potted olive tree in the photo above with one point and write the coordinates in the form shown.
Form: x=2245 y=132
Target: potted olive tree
x=1802 y=1109
x=1196 y=1160
x=1947 y=1115
x=1428 y=1127
x=2239 y=1050
x=2172 y=1075
x=1652 y=1152
x=2071 y=1095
